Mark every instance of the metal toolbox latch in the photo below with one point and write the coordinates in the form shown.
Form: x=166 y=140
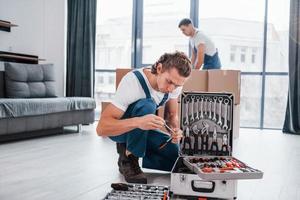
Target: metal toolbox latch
x=203 y=186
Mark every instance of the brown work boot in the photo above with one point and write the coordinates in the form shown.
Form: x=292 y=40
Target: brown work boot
x=129 y=166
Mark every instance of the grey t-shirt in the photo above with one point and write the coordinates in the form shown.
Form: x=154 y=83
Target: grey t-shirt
x=201 y=38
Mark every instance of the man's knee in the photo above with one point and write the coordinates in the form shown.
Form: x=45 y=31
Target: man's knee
x=144 y=107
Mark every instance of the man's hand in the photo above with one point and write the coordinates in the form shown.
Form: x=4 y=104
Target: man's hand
x=150 y=122
x=176 y=135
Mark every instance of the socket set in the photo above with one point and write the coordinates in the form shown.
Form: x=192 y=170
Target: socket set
x=124 y=191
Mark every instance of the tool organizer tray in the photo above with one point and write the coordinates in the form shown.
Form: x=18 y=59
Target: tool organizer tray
x=124 y=191
x=207 y=121
x=221 y=168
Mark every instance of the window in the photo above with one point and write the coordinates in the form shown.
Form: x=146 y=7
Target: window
x=250 y=100
x=278 y=36
x=160 y=28
x=111 y=80
x=243 y=58
x=253 y=59
x=237 y=33
x=276 y=99
x=113 y=45
x=230 y=22
x=100 y=80
x=232 y=57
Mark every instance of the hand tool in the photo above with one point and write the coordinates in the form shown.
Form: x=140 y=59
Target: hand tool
x=214 y=149
x=201 y=107
x=196 y=136
x=205 y=106
x=224 y=148
x=162 y=145
x=214 y=109
x=220 y=111
x=204 y=137
x=197 y=108
x=209 y=108
x=186 y=122
x=187 y=142
x=225 y=126
x=192 y=109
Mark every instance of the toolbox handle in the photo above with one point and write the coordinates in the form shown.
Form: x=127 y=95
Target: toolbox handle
x=204 y=190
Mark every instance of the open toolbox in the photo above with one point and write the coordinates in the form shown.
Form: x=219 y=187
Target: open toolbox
x=124 y=191
x=206 y=147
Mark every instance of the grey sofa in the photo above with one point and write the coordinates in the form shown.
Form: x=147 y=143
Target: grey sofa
x=29 y=106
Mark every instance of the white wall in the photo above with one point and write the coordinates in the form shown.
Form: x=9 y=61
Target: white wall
x=41 y=31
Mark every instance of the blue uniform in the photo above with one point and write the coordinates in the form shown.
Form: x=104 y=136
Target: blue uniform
x=145 y=143
x=210 y=62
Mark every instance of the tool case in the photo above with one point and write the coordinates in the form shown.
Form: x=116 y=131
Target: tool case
x=124 y=191
x=206 y=166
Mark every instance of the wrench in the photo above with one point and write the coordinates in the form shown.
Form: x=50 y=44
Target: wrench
x=201 y=107
x=220 y=111
x=205 y=106
x=214 y=106
x=209 y=106
x=226 y=101
x=197 y=108
x=192 y=109
x=186 y=122
x=196 y=136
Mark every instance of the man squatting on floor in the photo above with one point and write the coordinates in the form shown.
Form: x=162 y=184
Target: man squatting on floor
x=131 y=122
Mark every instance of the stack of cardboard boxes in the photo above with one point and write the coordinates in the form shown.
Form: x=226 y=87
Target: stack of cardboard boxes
x=219 y=81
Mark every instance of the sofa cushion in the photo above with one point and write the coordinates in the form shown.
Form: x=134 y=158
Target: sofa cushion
x=29 y=80
x=10 y=108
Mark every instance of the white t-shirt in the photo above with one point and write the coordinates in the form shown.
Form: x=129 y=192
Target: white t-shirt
x=130 y=90
x=201 y=38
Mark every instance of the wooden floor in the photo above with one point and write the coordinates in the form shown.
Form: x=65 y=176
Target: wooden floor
x=82 y=166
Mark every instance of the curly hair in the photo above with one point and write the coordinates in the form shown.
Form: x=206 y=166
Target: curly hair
x=176 y=60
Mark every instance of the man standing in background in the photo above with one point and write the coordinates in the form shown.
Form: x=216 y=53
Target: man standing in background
x=204 y=51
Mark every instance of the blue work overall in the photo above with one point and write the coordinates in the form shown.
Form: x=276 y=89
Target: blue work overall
x=145 y=143
x=210 y=62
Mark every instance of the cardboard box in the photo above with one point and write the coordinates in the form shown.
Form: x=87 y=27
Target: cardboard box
x=198 y=81
x=225 y=81
x=119 y=75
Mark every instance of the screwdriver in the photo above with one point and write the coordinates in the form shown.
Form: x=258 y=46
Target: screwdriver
x=162 y=145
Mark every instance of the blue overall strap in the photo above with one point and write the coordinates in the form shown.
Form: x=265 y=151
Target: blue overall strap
x=195 y=50
x=143 y=83
x=165 y=98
